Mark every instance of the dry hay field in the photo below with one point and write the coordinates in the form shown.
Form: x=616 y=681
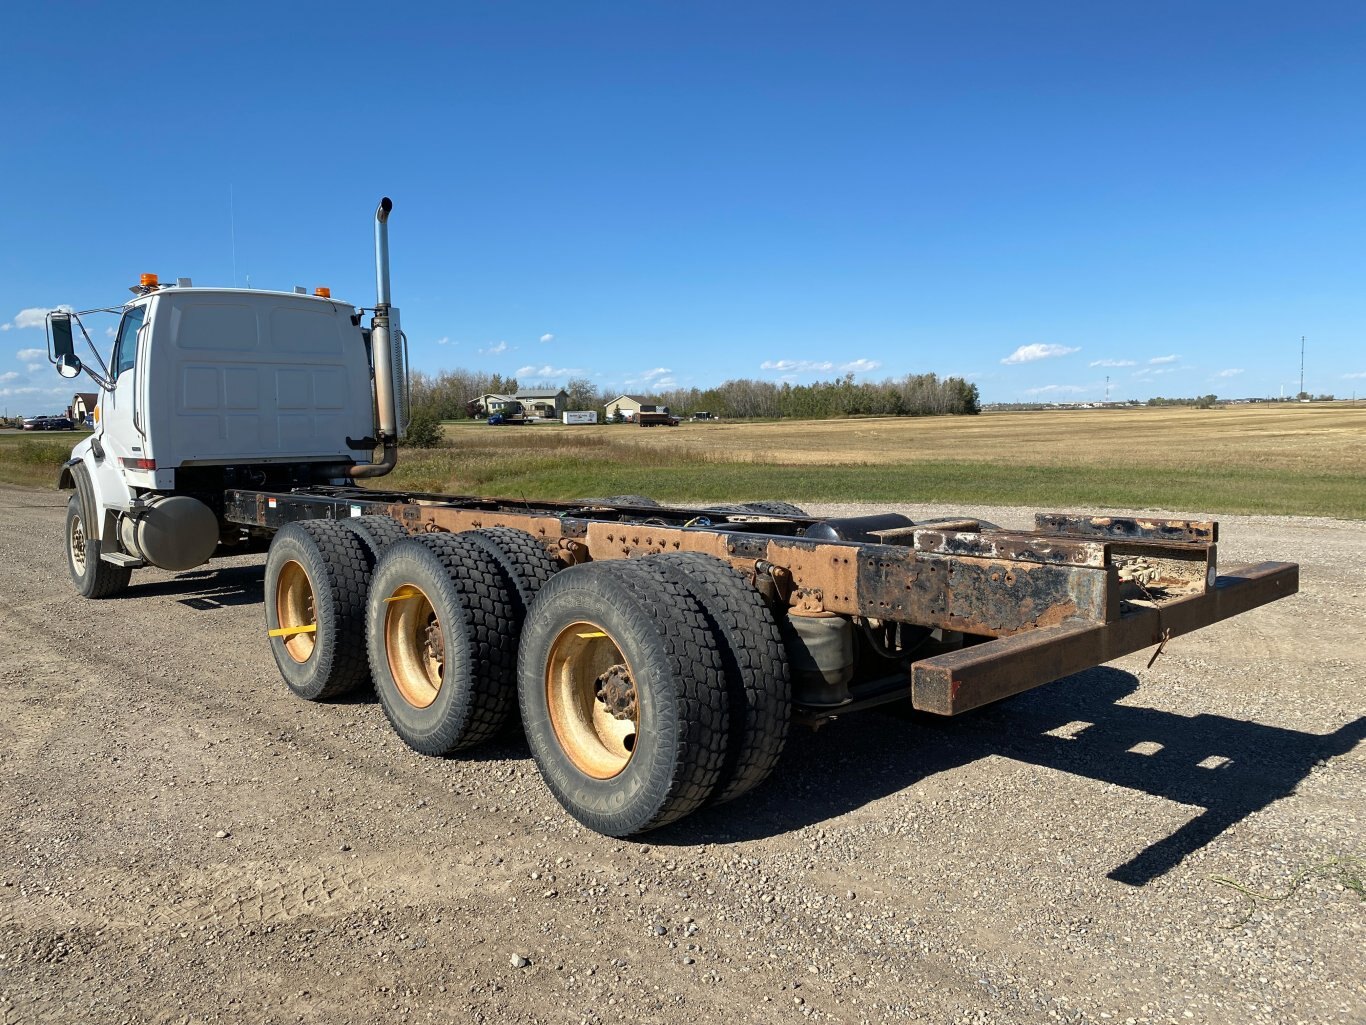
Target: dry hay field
x=1270 y=458
x=1328 y=437
x=1273 y=458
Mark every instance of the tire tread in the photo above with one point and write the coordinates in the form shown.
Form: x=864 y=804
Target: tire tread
x=756 y=666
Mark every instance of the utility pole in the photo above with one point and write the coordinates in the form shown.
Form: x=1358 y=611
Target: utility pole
x=1107 y=389
x=1301 y=394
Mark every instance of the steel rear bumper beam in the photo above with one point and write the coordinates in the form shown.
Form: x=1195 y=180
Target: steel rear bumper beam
x=974 y=676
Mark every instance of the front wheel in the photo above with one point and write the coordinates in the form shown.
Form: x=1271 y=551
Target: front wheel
x=93 y=577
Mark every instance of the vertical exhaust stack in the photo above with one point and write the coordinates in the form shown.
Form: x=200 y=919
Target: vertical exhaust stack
x=384 y=348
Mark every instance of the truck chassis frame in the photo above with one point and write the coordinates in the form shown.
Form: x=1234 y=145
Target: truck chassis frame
x=1032 y=606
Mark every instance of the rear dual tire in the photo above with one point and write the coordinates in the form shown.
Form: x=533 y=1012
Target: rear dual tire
x=445 y=614
x=622 y=696
x=317 y=578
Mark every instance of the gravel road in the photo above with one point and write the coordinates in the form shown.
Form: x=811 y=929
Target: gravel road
x=183 y=841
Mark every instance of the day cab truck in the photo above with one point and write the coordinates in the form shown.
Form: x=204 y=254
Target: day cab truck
x=656 y=656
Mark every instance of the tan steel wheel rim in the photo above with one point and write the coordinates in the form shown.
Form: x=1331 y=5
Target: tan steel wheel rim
x=295 y=605
x=593 y=702
x=415 y=644
x=76 y=543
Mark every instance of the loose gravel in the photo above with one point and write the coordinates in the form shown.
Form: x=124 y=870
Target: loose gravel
x=184 y=841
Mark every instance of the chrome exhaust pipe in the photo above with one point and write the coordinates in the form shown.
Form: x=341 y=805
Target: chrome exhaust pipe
x=383 y=332
x=382 y=251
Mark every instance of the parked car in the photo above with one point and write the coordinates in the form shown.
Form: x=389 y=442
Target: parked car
x=48 y=423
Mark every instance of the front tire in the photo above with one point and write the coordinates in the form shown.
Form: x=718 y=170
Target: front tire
x=622 y=696
x=93 y=577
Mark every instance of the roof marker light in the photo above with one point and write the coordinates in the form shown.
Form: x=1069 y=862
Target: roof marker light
x=148 y=281
x=323 y=292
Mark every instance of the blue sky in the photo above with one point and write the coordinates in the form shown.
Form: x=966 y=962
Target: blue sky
x=1032 y=195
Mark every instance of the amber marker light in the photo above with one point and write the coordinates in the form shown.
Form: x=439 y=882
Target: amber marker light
x=323 y=292
x=148 y=281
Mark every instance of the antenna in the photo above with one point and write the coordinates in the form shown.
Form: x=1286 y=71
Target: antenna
x=232 y=232
x=1301 y=394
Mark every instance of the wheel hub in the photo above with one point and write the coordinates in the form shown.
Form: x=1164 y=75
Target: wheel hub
x=415 y=645
x=617 y=691
x=592 y=700
x=78 y=544
x=296 y=605
x=434 y=644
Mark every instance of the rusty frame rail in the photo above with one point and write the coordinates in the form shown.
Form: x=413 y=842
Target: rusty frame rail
x=992 y=583
x=961 y=680
x=1075 y=592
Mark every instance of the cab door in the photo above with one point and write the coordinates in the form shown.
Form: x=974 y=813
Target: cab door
x=120 y=426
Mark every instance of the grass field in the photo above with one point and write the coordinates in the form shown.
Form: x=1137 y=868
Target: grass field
x=34 y=459
x=1274 y=458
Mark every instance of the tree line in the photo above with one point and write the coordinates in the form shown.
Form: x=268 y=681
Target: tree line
x=446 y=396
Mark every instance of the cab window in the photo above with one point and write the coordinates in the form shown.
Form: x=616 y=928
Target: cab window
x=126 y=345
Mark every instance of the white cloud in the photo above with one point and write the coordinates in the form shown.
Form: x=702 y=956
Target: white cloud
x=30 y=354
x=796 y=365
x=444 y=340
x=34 y=316
x=1352 y=376
x=861 y=366
x=1055 y=389
x=548 y=371
x=495 y=349
x=109 y=332
x=1113 y=363
x=547 y=337
x=9 y=375
x=1039 y=350
x=658 y=377
x=1231 y=372
x=33 y=368
x=1162 y=359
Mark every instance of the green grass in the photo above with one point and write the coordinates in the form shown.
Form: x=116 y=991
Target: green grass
x=681 y=478
x=34 y=460
x=518 y=463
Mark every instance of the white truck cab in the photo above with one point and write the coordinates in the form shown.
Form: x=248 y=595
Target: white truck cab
x=209 y=388
x=209 y=376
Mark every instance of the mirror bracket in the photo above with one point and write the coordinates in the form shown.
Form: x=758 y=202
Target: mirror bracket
x=62 y=349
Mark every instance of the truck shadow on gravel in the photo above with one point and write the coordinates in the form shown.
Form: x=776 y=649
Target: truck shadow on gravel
x=1228 y=767
x=205 y=590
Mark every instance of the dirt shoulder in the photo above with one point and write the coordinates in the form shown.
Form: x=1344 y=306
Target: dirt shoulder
x=184 y=841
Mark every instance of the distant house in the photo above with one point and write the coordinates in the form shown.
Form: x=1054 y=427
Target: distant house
x=489 y=402
x=83 y=404
x=544 y=402
x=630 y=405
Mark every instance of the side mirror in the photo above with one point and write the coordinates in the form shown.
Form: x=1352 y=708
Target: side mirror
x=68 y=363
x=63 y=344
